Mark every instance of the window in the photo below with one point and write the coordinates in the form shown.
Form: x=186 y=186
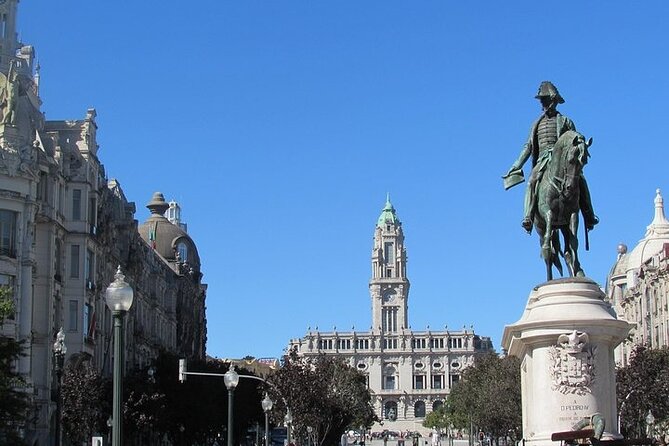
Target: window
x=89 y=267
x=388 y=252
x=390 y=409
x=454 y=379
x=76 y=204
x=389 y=382
x=437 y=381
x=7 y=233
x=419 y=382
x=74 y=315
x=74 y=261
x=419 y=409
x=182 y=252
x=42 y=188
x=92 y=216
x=437 y=404
x=57 y=261
x=389 y=319
x=87 y=315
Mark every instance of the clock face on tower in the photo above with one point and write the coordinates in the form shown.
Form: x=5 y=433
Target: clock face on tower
x=388 y=296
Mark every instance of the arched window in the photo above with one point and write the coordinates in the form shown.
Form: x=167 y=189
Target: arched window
x=390 y=409
x=419 y=409
x=182 y=250
x=437 y=404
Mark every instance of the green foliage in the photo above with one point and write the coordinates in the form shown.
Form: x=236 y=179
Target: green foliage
x=85 y=397
x=488 y=395
x=6 y=303
x=438 y=419
x=642 y=386
x=324 y=393
x=14 y=402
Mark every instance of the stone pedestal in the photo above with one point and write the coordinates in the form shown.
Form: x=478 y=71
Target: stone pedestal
x=565 y=340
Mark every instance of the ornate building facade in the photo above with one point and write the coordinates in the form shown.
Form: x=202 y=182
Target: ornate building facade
x=64 y=229
x=409 y=372
x=638 y=287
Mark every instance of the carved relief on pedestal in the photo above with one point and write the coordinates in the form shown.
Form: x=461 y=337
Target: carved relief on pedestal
x=572 y=364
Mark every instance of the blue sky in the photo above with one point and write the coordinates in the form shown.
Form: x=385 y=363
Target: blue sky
x=280 y=127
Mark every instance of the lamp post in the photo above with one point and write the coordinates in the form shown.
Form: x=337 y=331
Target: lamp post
x=109 y=429
x=267 y=405
x=288 y=419
x=231 y=379
x=59 y=350
x=119 y=297
x=311 y=429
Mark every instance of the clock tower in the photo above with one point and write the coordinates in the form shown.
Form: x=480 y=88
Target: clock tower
x=389 y=286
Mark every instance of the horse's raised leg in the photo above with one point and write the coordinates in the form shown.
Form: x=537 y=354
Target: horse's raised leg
x=575 y=267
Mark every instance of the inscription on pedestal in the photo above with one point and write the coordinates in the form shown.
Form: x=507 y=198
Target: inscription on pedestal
x=573 y=412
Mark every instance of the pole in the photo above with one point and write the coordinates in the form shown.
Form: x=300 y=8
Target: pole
x=59 y=375
x=231 y=394
x=117 y=415
x=267 y=428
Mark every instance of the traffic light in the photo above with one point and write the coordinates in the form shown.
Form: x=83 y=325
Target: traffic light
x=182 y=370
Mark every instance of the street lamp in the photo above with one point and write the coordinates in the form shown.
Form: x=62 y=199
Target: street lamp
x=311 y=429
x=267 y=405
x=231 y=379
x=288 y=419
x=119 y=300
x=59 y=350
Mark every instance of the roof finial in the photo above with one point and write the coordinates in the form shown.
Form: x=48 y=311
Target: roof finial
x=660 y=224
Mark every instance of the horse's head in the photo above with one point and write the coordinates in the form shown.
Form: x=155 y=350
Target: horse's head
x=578 y=152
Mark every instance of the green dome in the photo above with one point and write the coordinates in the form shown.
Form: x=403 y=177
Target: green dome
x=388 y=215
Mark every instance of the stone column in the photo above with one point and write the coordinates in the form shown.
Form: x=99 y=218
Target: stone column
x=565 y=339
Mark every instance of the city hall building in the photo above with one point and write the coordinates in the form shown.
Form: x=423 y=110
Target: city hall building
x=410 y=373
x=638 y=287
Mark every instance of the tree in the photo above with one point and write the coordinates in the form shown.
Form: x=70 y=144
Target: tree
x=643 y=386
x=439 y=419
x=323 y=393
x=192 y=412
x=14 y=402
x=488 y=396
x=85 y=395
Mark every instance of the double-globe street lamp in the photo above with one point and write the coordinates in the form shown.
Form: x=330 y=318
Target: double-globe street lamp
x=267 y=405
x=59 y=350
x=119 y=298
x=231 y=378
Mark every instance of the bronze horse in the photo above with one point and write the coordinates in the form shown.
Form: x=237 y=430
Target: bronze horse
x=558 y=203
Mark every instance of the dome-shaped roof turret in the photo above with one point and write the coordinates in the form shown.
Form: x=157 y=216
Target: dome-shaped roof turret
x=657 y=234
x=388 y=215
x=620 y=267
x=167 y=239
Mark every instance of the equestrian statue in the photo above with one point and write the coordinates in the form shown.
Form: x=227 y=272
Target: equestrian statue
x=556 y=190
